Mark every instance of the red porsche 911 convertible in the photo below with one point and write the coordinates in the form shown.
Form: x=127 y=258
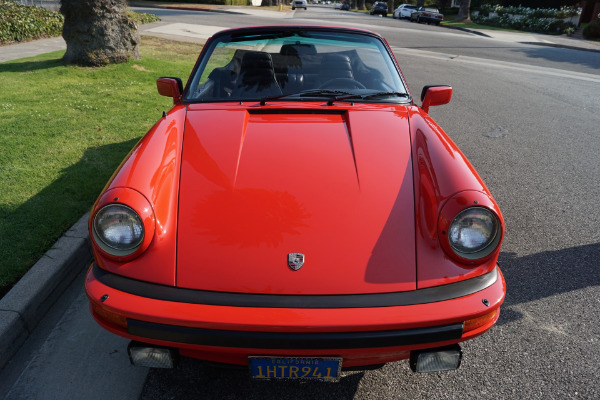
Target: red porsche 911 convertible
x=296 y=212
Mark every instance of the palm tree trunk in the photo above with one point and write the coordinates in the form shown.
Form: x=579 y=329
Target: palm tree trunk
x=98 y=32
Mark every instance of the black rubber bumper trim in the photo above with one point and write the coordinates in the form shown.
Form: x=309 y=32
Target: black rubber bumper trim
x=294 y=340
x=393 y=299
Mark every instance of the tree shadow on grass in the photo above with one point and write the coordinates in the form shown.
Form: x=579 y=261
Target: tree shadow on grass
x=30 y=66
x=28 y=230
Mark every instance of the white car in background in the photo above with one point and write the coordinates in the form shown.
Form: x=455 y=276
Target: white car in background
x=299 y=4
x=404 y=11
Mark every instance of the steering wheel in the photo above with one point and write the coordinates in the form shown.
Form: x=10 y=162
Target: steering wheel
x=342 y=83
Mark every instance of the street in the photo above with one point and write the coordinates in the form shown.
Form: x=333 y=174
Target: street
x=527 y=117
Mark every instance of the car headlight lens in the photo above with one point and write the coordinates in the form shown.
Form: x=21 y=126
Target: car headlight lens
x=119 y=229
x=473 y=232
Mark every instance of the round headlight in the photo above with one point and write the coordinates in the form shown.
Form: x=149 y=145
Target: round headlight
x=119 y=229
x=473 y=232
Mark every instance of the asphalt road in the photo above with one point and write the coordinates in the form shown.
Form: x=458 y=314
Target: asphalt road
x=527 y=117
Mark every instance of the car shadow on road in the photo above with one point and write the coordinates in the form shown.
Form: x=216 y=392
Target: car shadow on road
x=543 y=275
x=589 y=59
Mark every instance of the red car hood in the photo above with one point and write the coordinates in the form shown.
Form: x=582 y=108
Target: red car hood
x=332 y=184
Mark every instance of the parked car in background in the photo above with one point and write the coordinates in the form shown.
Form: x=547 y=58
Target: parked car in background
x=299 y=4
x=345 y=7
x=265 y=221
x=429 y=15
x=379 y=8
x=404 y=11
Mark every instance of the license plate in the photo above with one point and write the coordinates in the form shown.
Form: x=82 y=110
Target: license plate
x=300 y=368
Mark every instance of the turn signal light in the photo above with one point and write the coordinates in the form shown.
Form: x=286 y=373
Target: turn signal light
x=475 y=323
x=109 y=317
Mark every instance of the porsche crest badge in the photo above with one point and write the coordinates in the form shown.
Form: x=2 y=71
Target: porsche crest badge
x=295 y=261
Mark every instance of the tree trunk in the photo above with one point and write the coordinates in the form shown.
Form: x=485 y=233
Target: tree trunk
x=361 y=4
x=98 y=32
x=442 y=5
x=420 y=3
x=464 y=12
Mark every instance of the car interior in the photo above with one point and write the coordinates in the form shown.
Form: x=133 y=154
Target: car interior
x=297 y=67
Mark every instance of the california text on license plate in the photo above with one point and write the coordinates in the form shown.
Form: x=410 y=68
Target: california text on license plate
x=323 y=369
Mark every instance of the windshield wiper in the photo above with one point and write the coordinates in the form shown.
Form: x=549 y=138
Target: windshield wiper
x=334 y=95
x=366 y=96
x=324 y=93
x=383 y=94
x=309 y=93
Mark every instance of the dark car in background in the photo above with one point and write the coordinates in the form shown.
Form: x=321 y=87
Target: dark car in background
x=430 y=15
x=379 y=8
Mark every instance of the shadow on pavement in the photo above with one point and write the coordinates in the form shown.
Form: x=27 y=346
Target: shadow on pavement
x=547 y=274
x=589 y=59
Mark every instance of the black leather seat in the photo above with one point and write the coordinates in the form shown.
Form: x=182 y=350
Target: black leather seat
x=257 y=77
x=336 y=66
x=296 y=67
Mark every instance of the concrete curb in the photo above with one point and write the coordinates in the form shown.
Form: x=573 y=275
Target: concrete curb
x=467 y=30
x=24 y=306
x=555 y=45
x=563 y=46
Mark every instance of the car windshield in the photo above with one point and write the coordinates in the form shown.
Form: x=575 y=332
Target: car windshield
x=296 y=65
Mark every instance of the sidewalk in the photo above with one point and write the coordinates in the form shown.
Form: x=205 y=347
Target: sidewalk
x=23 y=307
x=30 y=49
x=537 y=39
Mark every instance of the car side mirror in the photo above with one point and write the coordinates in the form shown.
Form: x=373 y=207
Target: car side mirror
x=435 y=95
x=170 y=87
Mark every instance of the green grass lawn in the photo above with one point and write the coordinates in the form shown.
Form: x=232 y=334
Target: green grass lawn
x=63 y=132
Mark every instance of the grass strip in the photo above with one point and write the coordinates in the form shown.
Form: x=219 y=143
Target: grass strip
x=63 y=132
x=453 y=24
